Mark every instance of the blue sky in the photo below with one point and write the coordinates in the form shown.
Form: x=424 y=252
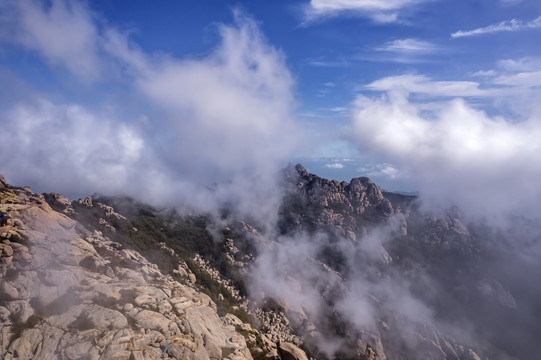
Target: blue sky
x=408 y=92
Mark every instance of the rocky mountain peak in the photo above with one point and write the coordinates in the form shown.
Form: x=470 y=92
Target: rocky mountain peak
x=301 y=170
x=332 y=203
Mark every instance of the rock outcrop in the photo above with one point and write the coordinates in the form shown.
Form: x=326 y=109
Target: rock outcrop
x=67 y=292
x=312 y=201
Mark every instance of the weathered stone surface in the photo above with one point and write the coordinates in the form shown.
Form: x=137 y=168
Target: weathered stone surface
x=7 y=250
x=290 y=351
x=106 y=318
x=8 y=291
x=148 y=319
x=78 y=304
x=25 y=346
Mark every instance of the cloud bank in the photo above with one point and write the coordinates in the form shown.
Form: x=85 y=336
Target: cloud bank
x=205 y=131
x=458 y=155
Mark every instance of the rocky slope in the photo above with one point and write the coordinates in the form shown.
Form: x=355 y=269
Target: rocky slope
x=69 y=292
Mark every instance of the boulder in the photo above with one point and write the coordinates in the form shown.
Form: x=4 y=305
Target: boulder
x=148 y=319
x=106 y=318
x=290 y=351
x=7 y=250
x=25 y=346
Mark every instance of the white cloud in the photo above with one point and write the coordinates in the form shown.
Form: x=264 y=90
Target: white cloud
x=403 y=51
x=321 y=62
x=336 y=5
x=421 y=84
x=508 y=25
x=380 y=170
x=520 y=76
x=334 y=166
x=329 y=84
x=520 y=65
x=62 y=32
x=509 y=85
x=483 y=73
x=68 y=148
x=520 y=80
x=409 y=46
x=216 y=122
x=486 y=165
x=510 y=2
x=379 y=11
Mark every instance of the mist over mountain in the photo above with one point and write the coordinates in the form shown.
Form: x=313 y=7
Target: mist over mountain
x=200 y=242
x=343 y=270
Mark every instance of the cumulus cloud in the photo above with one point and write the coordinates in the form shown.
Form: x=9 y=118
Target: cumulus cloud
x=213 y=130
x=458 y=155
x=379 y=11
x=508 y=25
x=68 y=148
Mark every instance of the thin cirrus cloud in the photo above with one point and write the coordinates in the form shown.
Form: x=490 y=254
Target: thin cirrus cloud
x=523 y=74
x=504 y=26
x=420 y=84
x=496 y=84
x=379 y=11
x=404 y=51
x=409 y=46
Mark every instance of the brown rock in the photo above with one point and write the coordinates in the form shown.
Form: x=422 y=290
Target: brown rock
x=289 y=351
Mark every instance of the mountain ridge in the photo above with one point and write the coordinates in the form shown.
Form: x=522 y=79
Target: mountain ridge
x=350 y=245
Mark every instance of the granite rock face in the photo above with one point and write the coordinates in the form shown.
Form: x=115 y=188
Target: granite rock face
x=346 y=207
x=70 y=293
